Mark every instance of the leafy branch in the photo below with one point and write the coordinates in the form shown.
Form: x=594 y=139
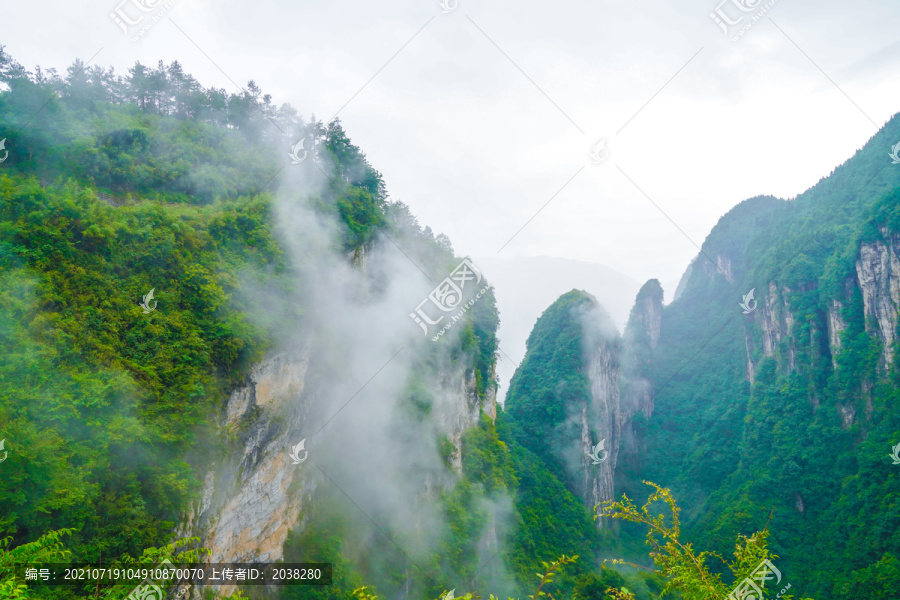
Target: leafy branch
x=685 y=570
x=550 y=570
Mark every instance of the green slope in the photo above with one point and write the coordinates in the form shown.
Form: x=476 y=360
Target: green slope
x=736 y=453
x=118 y=185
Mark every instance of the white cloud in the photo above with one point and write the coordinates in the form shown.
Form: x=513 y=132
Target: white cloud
x=464 y=138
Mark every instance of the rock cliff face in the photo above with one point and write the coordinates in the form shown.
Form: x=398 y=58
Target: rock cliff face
x=602 y=415
x=253 y=497
x=460 y=406
x=836 y=327
x=776 y=322
x=256 y=494
x=640 y=340
x=722 y=266
x=878 y=276
x=615 y=370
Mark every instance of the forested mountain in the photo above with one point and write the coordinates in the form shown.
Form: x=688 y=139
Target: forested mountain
x=785 y=410
x=180 y=280
x=765 y=396
x=195 y=281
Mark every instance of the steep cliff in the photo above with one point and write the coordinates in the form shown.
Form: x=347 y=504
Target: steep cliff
x=600 y=414
x=460 y=405
x=253 y=497
x=256 y=494
x=773 y=317
x=875 y=277
x=878 y=277
x=565 y=396
x=640 y=338
x=780 y=410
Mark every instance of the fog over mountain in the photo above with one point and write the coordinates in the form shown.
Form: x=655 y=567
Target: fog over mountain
x=449 y=299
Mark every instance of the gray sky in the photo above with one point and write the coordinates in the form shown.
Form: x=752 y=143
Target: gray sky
x=489 y=109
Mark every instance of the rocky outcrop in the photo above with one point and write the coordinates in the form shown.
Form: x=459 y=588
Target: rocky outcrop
x=601 y=417
x=848 y=415
x=645 y=320
x=359 y=258
x=640 y=340
x=253 y=496
x=751 y=365
x=722 y=266
x=776 y=322
x=878 y=275
x=460 y=406
x=489 y=403
x=836 y=327
x=616 y=370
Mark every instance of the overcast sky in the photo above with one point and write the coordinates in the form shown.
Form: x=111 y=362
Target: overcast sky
x=478 y=117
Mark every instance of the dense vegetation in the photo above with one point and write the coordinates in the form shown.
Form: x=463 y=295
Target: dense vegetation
x=116 y=186
x=737 y=454
x=538 y=426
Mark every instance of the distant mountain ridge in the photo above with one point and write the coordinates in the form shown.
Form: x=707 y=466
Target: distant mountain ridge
x=777 y=414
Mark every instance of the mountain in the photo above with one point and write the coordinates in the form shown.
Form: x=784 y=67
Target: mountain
x=217 y=356
x=564 y=413
x=524 y=287
x=765 y=395
x=783 y=411
x=210 y=355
